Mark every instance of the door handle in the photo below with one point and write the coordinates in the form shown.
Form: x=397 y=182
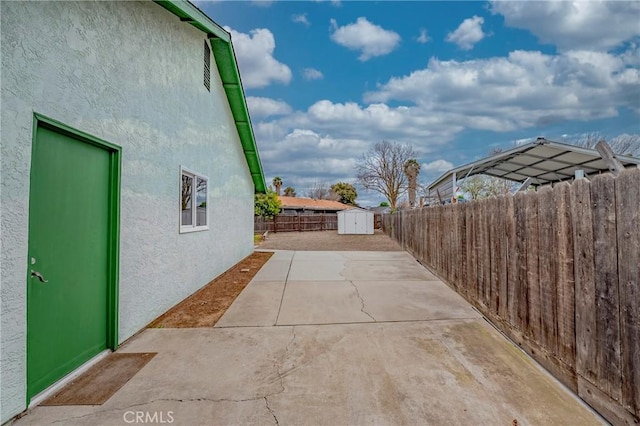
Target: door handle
x=39 y=276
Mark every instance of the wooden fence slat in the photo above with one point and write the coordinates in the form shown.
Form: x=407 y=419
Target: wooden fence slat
x=495 y=251
x=472 y=236
x=520 y=279
x=454 y=247
x=463 y=249
x=480 y=252
x=501 y=257
x=582 y=224
x=628 y=235
x=512 y=261
x=533 y=251
x=547 y=258
x=606 y=288
x=565 y=282
x=486 y=253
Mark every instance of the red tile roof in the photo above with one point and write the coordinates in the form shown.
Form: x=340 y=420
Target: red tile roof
x=311 y=204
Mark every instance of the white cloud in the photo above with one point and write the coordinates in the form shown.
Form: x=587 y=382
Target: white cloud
x=582 y=25
x=257 y=65
x=468 y=33
x=312 y=74
x=301 y=19
x=350 y=130
x=524 y=89
x=370 y=39
x=437 y=166
x=429 y=107
x=266 y=107
x=423 y=37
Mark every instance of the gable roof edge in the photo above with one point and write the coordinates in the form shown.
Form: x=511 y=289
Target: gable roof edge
x=230 y=75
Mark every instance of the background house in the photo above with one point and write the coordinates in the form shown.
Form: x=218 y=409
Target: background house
x=299 y=205
x=129 y=168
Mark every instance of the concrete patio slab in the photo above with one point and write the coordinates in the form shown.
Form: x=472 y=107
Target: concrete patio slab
x=378 y=255
x=383 y=270
x=316 y=256
x=257 y=305
x=273 y=270
x=285 y=255
x=431 y=373
x=412 y=301
x=318 y=270
x=321 y=302
x=363 y=352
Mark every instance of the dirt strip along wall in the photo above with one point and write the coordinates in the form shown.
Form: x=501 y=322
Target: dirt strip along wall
x=557 y=270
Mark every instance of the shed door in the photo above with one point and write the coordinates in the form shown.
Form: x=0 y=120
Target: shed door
x=69 y=219
x=350 y=222
x=361 y=223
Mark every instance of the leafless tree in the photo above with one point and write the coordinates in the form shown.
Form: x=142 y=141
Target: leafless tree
x=382 y=170
x=322 y=191
x=623 y=144
x=187 y=189
x=483 y=186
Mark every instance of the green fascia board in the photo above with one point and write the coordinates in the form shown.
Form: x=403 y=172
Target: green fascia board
x=188 y=12
x=229 y=74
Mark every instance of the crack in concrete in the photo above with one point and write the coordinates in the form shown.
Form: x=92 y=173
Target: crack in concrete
x=266 y=401
x=281 y=375
x=284 y=288
x=362 y=302
x=279 y=371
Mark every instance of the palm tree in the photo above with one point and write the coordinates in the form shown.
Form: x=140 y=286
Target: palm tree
x=412 y=170
x=289 y=192
x=277 y=183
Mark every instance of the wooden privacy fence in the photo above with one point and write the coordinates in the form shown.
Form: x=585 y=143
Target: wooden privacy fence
x=303 y=222
x=557 y=270
x=290 y=223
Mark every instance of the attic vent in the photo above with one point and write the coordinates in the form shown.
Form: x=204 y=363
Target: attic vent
x=207 y=66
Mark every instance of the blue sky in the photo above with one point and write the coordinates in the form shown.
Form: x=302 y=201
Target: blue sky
x=326 y=80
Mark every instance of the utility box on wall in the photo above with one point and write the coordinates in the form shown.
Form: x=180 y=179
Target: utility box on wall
x=355 y=221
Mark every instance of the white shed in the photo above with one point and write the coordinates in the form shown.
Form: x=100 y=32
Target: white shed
x=355 y=221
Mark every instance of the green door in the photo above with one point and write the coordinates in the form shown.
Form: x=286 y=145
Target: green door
x=69 y=273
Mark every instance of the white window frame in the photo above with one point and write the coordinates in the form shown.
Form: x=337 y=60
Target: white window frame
x=194 y=211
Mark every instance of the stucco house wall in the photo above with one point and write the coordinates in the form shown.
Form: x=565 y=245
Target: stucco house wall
x=130 y=73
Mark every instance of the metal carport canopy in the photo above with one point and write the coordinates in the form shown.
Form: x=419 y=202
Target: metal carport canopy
x=543 y=161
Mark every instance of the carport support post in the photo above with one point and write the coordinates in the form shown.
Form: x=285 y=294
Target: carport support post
x=609 y=158
x=525 y=185
x=453 y=187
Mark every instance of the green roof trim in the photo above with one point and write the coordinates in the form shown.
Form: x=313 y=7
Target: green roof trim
x=228 y=68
